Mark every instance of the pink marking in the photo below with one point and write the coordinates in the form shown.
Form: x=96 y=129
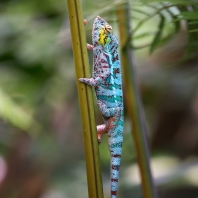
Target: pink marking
x=100 y=76
x=113 y=192
x=106 y=55
x=114 y=180
x=114 y=52
x=105 y=66
x=116 y=58
x=103 y=61
x=116 y=155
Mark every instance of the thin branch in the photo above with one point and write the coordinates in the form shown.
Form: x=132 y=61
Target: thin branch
x=134 y=105
x=85 y=94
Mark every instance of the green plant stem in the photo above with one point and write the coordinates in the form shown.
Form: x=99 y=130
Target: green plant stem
x=133 y=104
x=85 y=94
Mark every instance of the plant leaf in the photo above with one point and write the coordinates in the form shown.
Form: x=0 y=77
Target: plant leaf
x=174 y=19
x=189 y=15
x=196 y=30
x=193 y=22
x=14 y=114
x=158 y=35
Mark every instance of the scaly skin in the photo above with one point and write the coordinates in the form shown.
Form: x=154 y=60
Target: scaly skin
x=107 y=81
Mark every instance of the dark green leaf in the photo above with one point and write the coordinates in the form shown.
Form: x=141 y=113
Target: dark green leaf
x=196 y=30
x=189 y=15
x=193 y=22
x=174 y=19
x=158 y=34
x=176 y=2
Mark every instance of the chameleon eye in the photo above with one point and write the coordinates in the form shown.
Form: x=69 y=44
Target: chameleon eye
x=108 y=29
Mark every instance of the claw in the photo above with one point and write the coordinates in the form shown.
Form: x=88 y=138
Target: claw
x=85 y=21
x=89 y=47
x=80 y=80
x=99 y=138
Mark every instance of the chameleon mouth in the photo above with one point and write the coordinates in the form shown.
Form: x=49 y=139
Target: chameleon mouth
x=99 y=17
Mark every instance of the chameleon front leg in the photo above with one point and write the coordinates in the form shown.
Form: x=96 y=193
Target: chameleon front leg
x=90 y=47
x=91 y=81
x=94 y=82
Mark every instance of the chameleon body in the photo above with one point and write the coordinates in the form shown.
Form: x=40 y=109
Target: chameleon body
x=107 y=82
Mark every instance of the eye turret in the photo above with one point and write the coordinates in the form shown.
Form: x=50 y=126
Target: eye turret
x=108 y=29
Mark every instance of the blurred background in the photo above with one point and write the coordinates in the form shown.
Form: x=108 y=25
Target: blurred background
x=41 y=142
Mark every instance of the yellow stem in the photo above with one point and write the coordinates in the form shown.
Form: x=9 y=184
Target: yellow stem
x=85 y=94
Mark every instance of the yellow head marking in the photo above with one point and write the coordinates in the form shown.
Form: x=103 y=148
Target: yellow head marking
x=103 y=35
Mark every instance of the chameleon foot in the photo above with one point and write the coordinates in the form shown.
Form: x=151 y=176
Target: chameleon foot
x=101 y=129
x=99 y=138
x=90 y=47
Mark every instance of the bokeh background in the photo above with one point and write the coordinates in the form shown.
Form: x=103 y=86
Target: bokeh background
x=41 y=142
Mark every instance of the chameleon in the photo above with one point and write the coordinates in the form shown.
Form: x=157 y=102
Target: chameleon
x=107 y=82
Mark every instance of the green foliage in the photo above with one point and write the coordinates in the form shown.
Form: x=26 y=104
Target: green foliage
x=28 y=55
x=158 y=34
x=169 y=13
x=13 y=113
x=38 y=88
x=189 y=15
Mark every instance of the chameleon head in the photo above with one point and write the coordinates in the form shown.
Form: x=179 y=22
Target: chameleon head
x=102 y=32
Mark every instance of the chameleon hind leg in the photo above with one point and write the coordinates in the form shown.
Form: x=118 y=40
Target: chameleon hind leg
x=108 y=114
x=101 y=129
x=104 y=128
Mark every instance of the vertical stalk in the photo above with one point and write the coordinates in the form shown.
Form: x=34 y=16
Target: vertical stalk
x=133 y=102
x=85 y=99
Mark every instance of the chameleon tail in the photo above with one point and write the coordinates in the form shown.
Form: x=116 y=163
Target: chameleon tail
x=115 y=166
x=115 y=147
